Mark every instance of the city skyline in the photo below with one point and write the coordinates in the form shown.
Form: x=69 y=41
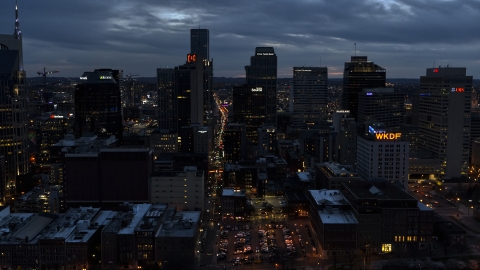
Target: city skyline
x=400 y=36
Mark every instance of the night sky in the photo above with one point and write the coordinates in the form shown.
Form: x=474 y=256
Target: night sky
x=403 y=36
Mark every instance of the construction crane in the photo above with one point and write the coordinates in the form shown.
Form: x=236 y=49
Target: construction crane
x=45 y=73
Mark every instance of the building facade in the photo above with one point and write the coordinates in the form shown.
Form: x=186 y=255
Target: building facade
x=184 y=190
x=200 y=42
x=383 y=156
x=359 y=74
x=262 y=72
x=167 y=99
x=234 y=140
x=389 y=219
x=249 y=108
x=309 y=94
x=98 y=103
x=106 y=177
x=381 y=105
x=444 y=117
x=13 y=109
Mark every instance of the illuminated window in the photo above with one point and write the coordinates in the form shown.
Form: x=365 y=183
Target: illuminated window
x=386 y=248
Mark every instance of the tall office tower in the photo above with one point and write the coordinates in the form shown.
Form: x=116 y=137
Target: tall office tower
x=309 y=94
x=13 y=109
x=381 y=105
x=383 y=155
x=189 y=81
x=167 y=99
x=98 y=102
x=444 y=117
x=200 y=43
x=249 y=107
x=200 y=46
x=262 y=72
x=359 y=74
x=132 y=92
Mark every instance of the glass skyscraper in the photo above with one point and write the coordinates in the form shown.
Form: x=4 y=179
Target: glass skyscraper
x=13 y=110
x=200 y=42
x=262 y=73
x=359 y=74
x=98 y=103
x=309 y=94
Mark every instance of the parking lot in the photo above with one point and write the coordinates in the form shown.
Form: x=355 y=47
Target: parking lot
x=260 y=244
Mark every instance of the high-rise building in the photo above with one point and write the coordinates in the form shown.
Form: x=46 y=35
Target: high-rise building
x=381 y=105
x=200 y=46
x=190 y=86
x=359 y=74
x=249 y=108
x=13 y=109
x=444 y=117
x=167 y=99
x=309 y=94
x=384 y=156
x=98 y=103
x=262 y=72
x=200 y=42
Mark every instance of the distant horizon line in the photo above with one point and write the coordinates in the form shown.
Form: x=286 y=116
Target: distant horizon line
x=52 y=77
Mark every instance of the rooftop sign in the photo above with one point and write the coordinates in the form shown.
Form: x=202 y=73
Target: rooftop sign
x=191 y=57
x=388 y=136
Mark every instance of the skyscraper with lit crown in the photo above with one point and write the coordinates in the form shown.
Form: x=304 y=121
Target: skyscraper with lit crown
x=13 y=109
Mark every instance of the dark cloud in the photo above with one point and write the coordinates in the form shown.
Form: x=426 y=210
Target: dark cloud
x=404 y=36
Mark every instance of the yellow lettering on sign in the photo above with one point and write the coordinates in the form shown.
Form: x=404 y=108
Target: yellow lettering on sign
x=387 y=136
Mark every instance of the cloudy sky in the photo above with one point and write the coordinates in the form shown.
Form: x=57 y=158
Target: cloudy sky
x=403 y=36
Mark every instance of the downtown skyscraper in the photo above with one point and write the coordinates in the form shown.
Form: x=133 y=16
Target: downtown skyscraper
x=13 y=110
x=249 y=108
x=262 y=72
x=185 y=93
x=444 y=118
x=98 y=103
x=309 y=94
x=200 y=42
x=359 y=74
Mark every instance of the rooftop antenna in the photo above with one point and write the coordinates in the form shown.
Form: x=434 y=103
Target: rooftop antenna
x=355 y=48
x=320 y=61
x=17 y=32
x=433 y=64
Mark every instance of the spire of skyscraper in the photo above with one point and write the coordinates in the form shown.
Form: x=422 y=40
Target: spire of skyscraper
x=18 y=32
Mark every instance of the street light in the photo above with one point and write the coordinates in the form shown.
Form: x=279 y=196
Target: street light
x=276 y=266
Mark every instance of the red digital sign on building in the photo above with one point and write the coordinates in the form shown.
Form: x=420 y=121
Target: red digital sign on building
x=191 y=58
